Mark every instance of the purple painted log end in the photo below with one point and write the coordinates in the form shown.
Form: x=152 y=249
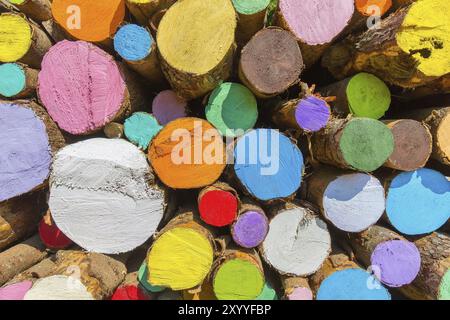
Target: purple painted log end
x=250 y=229
x=312 y=114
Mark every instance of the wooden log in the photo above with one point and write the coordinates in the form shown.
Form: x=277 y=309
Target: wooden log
x=38 y=10
x=251 y=225
x=342 y=279
x=182 y=254
x=100 y=183
x=79 y=276
x=433 y=281
x=168 y=106
x=114 y=130
x=237 y=275
x=51 y=236
x=143 y=10
x=218 y=204
x=83 y=88
x=409 y=49
x=137 y=47
x=205 y=34
x=307 y=114
x=93 y=21
x=204 y=292
x=413 y=144
x=394 y=260
x=19 y=217
x=268 y=293
x=17 y=80
x=360 y=144
x=54 y=30
x=418 y=201
x=251 y=18
x=367 y=7
x=315 y=23
x=143 y=280
x=40 y=270
x=296 y=288
x=155 y=20
x=352 y=202
x=20 y=257
x=15 y=291
x=363 y=95
x=141 y=128
x=188 y=153
x=298 y=241
x=22 y=40
x=271 y=62
x=438 y=121
x=232 y=109
x=29 y=140
x=265 y=157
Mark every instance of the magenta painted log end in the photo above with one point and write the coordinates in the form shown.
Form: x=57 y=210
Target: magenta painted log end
x=15 y=291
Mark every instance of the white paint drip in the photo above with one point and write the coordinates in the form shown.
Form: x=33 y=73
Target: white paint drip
x=58 y=288
x=354 y=202
x=101 y=198
x=296 y=244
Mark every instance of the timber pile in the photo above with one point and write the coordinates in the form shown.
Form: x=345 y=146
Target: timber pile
x=224 y=149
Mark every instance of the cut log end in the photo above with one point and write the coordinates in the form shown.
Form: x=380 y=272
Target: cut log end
x=218 y=206
x=143 y=276
x=250 y=229
x=188 y=153
x=17 y=81
x=16 y=291
x=141 y=128
x=271 y=62
x=297 y=243
x=15 y=38
x=370 y=7
x=113 y=179
x=413 y=145
x=352 y=284
x=283 y=172
x=180 y=258
x=398 y=262
x=68 y=14
x=312 y=114
x=168 y=106
x=52 y=237
x=232 y=109
x=58 y=287
x=87 y=106
x=418 y=201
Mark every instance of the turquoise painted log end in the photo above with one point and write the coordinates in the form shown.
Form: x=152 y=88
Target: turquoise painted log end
x=12 y=80
x=140 y=129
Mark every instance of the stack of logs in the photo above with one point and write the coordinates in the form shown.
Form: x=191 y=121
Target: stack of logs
x=224 y=149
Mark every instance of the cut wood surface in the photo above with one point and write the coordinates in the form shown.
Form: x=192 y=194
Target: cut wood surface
x=271 y=62
x=298 y=241
x=94 y=21
x=168 y=106
x=360 y=144
x=363 y=95
x=251 y=225
x=410 y=49
x=438 y=120
x=19 y=217
x=433 y=281
x=22 y=40
x=350 y=201
x=182 y=254
x=218 y=204
x=17 y=80
x=83 y=88
x=188 y=153
x=394 y=260
x=137 y=47
x=141 y=128
x=205 y=45
x=417 y=202
x=413 y=145
x=274 y=161
x=296 y=288
x=29 y=140
x=51 y=236
x=98 y=184
x=315 y=23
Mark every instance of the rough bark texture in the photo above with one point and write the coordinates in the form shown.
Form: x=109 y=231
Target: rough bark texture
x=40 y=44
x=292 y=283
x=435 y=253
x=376 y=51
x=31 y=80
x=19 y=217
x=40 y=270
x=248 y=26
x=338 y=90
x=100 y=274
x=38 y=10
x=114 y=130
x=337 y=261
x=434 y=119
x=20 y=257
x=155 y=20
x=143 y=12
